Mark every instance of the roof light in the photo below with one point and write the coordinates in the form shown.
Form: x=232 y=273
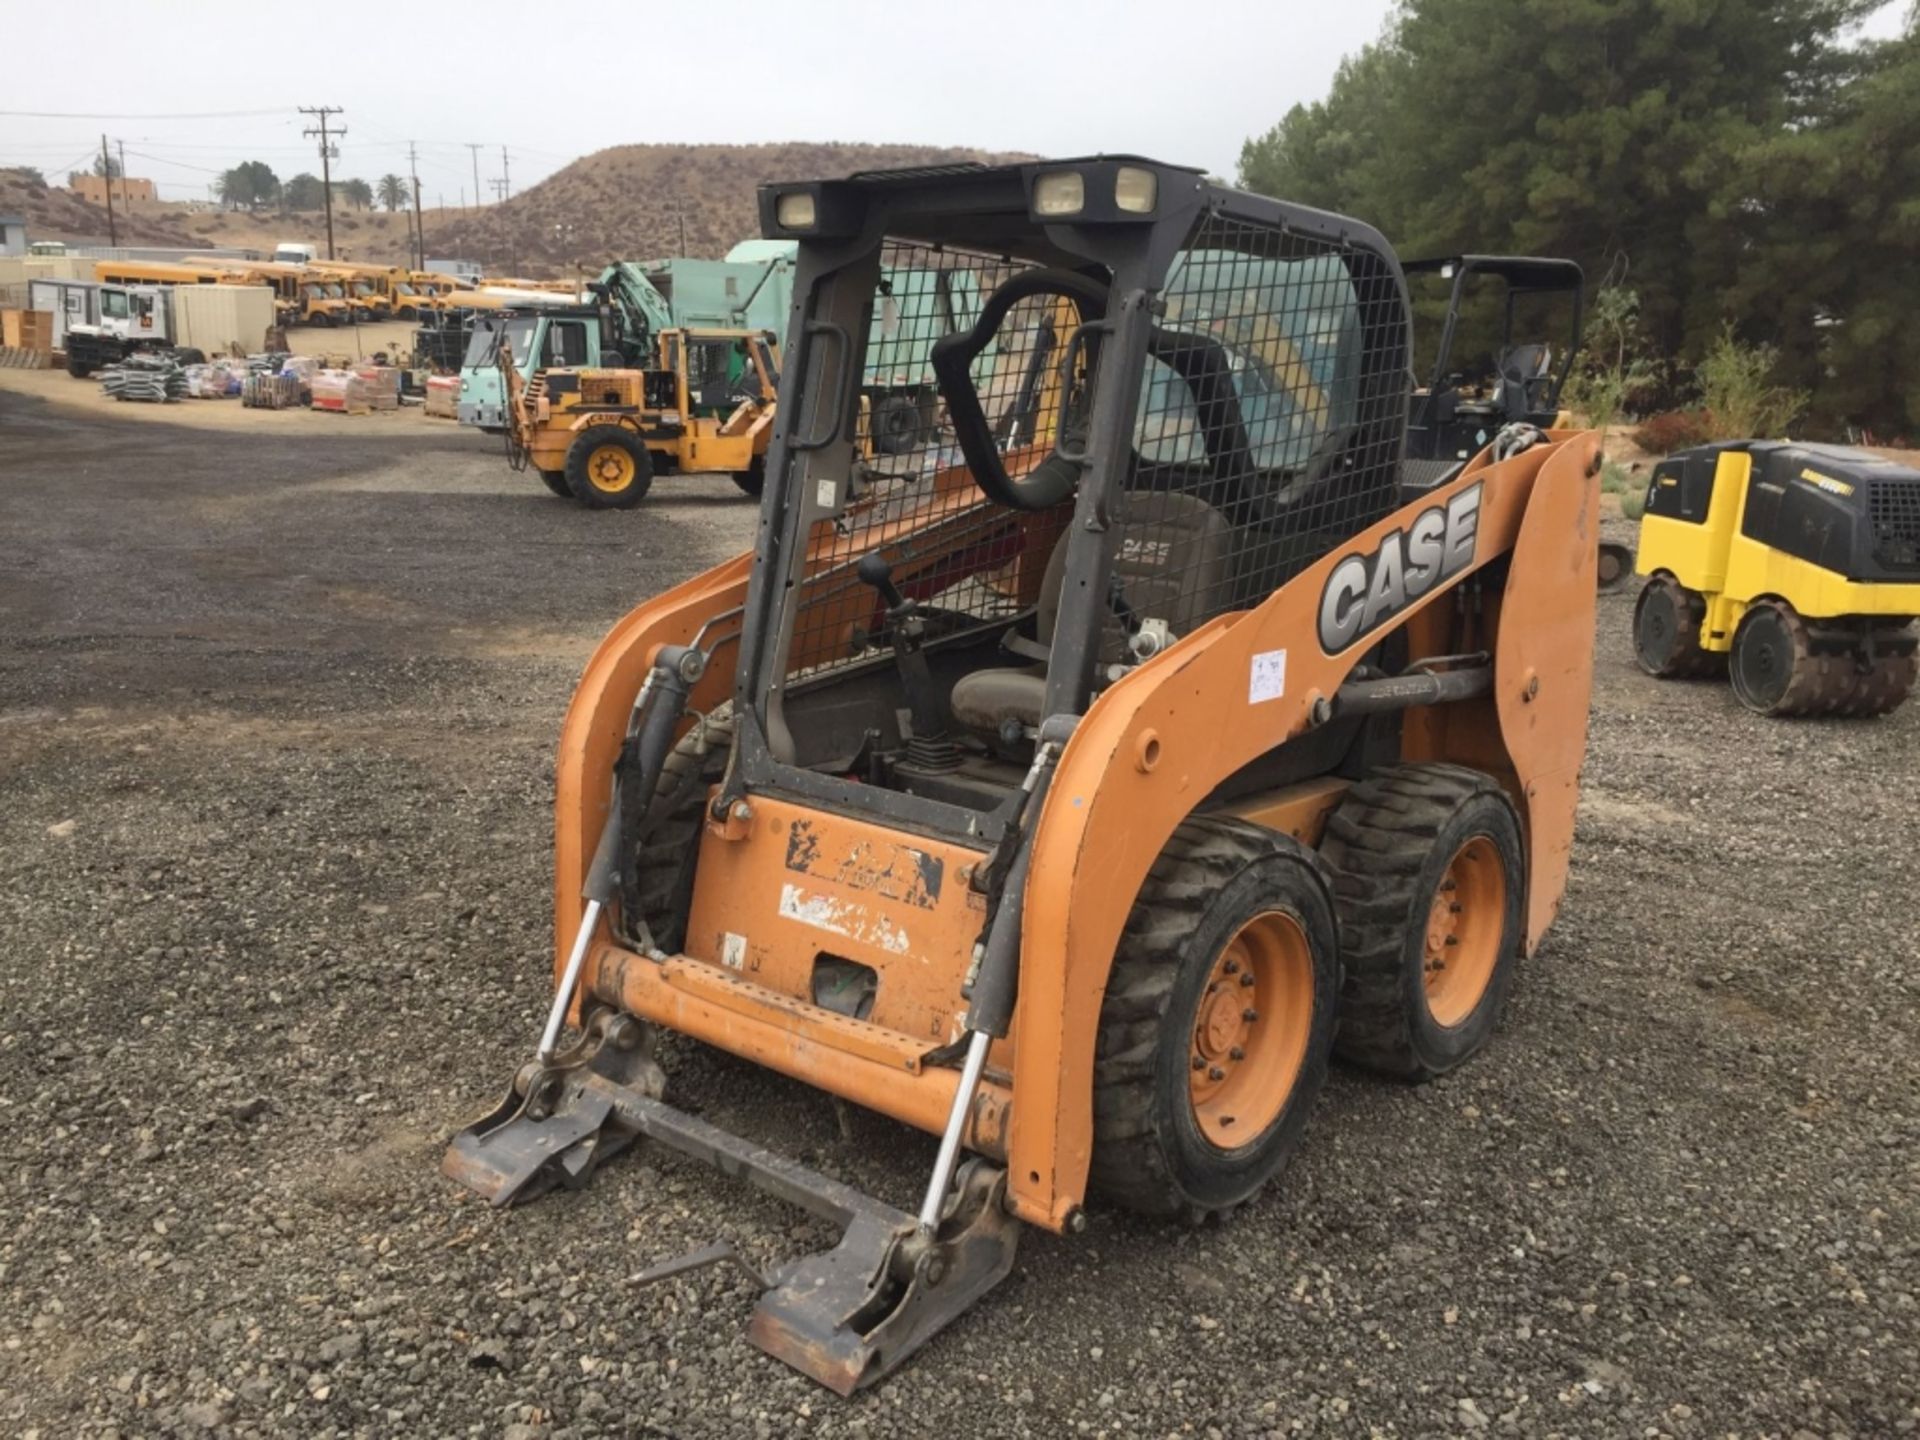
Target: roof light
x=1063 y=192
x=1135 y=190
x=796 y=210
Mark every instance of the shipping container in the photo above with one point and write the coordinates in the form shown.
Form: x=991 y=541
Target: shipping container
x=217 y=318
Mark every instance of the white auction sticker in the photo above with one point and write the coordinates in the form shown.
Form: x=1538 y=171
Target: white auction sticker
x=1267 y=679
x=826 y=494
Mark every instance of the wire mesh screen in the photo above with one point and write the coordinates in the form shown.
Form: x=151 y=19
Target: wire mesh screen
x=1269 y=421
x=1894 y=508
x=963 y=559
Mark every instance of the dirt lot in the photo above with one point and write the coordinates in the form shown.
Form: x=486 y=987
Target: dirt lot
x=277 y=712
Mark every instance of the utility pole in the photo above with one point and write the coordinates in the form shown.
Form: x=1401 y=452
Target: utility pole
x=474 y=146
x=125 y=199
x=506 y=176
x=419 y=219
x=683 y=228
x=106 y=174
x=326 y=160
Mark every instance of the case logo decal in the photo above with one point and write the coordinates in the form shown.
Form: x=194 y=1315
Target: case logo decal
x=1366 y=590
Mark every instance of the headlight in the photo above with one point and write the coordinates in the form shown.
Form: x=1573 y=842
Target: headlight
x=1135 y=190
x=1063 y=192
x=796 y=211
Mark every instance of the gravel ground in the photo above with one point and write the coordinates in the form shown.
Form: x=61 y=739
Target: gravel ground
x=276 y=725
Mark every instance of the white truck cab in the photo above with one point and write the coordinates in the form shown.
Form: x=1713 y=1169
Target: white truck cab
x=293 y=252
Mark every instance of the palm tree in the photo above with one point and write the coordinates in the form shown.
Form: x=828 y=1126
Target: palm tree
x=393 y=192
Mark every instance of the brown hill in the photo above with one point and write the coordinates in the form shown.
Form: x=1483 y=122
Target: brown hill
x=626 y=202
x=54 y=213
x=629 y=201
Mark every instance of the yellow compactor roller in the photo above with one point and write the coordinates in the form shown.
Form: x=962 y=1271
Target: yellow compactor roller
x=1793 y=568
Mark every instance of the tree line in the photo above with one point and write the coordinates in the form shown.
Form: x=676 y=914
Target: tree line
x=252 y=185
x=1743 y=173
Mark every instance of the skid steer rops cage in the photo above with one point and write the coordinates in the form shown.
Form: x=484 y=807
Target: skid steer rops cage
x=1140 y=568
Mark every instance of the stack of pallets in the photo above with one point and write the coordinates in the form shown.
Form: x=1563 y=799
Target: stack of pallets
x=142 y=377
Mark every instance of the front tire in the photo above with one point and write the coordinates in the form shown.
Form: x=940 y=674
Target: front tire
x=1216 y=1024
x=609 y=468
x=556 y=481
x=1430 y=881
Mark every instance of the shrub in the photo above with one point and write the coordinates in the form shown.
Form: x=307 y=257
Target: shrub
x=1675 y=430
x=1735 y=392
x=1610 y=374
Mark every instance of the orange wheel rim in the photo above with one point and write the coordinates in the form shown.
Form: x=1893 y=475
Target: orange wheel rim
x=1250 y=1030
x=1465 y=925
x=610 y=469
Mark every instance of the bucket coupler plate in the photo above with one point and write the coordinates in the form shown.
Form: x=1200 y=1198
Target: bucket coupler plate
x=845 y=1316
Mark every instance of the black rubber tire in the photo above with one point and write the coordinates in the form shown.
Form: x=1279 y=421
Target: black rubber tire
x=660 y=879
x=78 y=370
x=188 y=355
x=896 y=424
x=1149 y=1155
x=583 y=488
x=556 y=481
x=1666 y=631
x=1615 y=565
x=1388 y=845
x=752 y=480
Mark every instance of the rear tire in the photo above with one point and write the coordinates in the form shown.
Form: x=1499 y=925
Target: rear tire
x=608 y=468
x=1430 y=881
x=1666 y=631
x=660 y=885
x=1216 y=1024
x=556 y=481
x=896 y=424
x=752 y=480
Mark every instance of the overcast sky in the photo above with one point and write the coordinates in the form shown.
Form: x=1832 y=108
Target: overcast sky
x=1184 y=83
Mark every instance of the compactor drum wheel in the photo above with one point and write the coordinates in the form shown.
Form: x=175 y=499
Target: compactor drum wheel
x=1430 y=885
x=608 y=468
x=1666 y=631
x=1217 y=1022
x=1786 y=665
x=1768 y=649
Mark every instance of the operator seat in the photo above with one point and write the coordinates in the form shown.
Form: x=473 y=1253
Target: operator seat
x=1176 y=568
x=1523 y=371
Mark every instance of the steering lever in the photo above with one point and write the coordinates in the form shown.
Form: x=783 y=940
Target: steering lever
x=906 y=631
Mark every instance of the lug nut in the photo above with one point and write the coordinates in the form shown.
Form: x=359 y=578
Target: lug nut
x=1198 y=1063
x=1233 y=967
x=1249 y=1014
x=1247 y=979
x=1216 y=1073
x=1236 y=1053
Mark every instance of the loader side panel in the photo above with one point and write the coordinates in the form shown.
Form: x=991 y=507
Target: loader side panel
x=1543 y=670
x=1162 y=738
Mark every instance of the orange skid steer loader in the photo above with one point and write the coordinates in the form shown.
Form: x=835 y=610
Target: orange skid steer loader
x=1075 y=785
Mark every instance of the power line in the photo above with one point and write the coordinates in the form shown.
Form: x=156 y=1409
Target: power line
x=75 y=115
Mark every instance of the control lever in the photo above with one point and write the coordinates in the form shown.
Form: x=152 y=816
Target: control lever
x=928 y=745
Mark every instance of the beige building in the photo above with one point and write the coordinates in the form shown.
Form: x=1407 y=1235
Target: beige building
x=126 y=189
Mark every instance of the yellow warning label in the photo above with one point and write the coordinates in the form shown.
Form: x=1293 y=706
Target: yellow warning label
x=1826 y=482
